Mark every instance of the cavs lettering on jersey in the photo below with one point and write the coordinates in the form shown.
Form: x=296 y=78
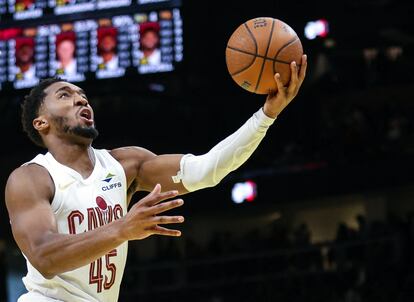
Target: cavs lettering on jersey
x=81 y=205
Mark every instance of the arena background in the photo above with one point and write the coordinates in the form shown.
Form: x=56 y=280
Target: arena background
x=333 y=219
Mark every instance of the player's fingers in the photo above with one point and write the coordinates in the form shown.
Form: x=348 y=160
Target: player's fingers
x=157 y=196
x=279 y=84
x=166 y=219
x=293 y=73
x=164 y=195
x=294 y=80
x=163 y=207
x=303 y=67
x=158 y=230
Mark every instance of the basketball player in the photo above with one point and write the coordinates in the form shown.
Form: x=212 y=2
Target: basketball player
x=25 y=67
x=65 y=54
x=68 y=208
x=149 y=53
x=107 y=51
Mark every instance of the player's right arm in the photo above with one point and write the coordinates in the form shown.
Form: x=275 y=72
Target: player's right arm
x=29 y=192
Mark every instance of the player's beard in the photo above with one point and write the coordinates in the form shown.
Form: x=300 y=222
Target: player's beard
x=84 y=131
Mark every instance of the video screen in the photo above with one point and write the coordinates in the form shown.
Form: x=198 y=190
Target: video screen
x=160 y=42
x=68 y=51
x=62 y=7
x=25 y=56
x=26 y=9
x=95 y=48
x=3 y=8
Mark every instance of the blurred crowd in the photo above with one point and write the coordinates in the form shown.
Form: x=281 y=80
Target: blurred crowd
x=353 y=108
x=371 y=263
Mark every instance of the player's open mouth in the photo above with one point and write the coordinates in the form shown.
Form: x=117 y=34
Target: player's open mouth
x=86 y=115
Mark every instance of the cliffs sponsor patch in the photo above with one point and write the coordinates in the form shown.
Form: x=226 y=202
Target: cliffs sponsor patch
x=112 y=186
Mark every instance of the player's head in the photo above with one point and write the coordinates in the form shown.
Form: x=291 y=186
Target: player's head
x=107 y=44
x=65 y=50
x=58 y=109
x=150 y=39
x=149 y=35
x=24 y=54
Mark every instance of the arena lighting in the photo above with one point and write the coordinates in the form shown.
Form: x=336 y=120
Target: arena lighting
x=244 y=191
x=318 y=28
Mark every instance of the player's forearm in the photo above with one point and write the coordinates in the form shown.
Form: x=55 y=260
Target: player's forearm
x=197 y=172
x=58 y=253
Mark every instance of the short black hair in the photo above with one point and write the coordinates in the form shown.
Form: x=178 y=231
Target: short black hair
x=30 y=108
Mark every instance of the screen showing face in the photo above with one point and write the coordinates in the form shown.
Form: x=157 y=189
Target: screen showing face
x=68 y=50
x=106 y=58
x=67 y=57
x=91 y=48
x=24 y=55
x=160 y=41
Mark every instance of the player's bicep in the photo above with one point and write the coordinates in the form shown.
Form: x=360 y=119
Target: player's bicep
x=160 y=169
x=145 y=169
x=28 y=204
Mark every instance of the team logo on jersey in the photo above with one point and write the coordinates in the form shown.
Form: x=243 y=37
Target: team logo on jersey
x=103 y=206
x=108 y=177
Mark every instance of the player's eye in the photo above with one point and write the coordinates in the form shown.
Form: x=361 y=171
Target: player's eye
x=64 y=95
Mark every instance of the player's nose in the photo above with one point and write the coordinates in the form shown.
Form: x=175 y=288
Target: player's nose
x=80 y=101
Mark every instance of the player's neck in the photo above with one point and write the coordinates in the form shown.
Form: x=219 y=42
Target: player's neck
x=107 y=56
x=65 y=63
x=25 y=66
x=75 y=156
x=148 y=52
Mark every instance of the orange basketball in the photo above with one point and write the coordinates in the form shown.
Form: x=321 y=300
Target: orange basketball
x=258 y=49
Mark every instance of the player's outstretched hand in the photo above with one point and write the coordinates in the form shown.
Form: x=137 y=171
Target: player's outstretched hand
x=142 y=220
x=278 y=100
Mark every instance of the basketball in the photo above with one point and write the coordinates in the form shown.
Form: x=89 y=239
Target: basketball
x=260 y=48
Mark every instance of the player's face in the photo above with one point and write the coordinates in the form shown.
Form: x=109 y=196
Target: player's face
x=150 y=40
x=108 y=44
x=65 y=50
x=24 y=54
x=68 y=112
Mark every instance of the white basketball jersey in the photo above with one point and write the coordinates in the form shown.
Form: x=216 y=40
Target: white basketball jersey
x=81 y=205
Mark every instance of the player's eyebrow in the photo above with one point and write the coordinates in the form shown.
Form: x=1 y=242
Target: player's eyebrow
x=63 y=88
x=67 y=88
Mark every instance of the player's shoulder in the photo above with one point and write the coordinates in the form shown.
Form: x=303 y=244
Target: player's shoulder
x=27 y=185
x=28 y=176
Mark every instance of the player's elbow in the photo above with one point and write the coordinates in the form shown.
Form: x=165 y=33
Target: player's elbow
x=48 y=274
x=203 y=171
x=43 y=265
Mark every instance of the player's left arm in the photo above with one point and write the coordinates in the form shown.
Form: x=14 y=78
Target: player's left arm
x=144 y=169
x=187 y=173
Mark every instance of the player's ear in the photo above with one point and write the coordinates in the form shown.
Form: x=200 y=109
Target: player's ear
x=40 y=123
